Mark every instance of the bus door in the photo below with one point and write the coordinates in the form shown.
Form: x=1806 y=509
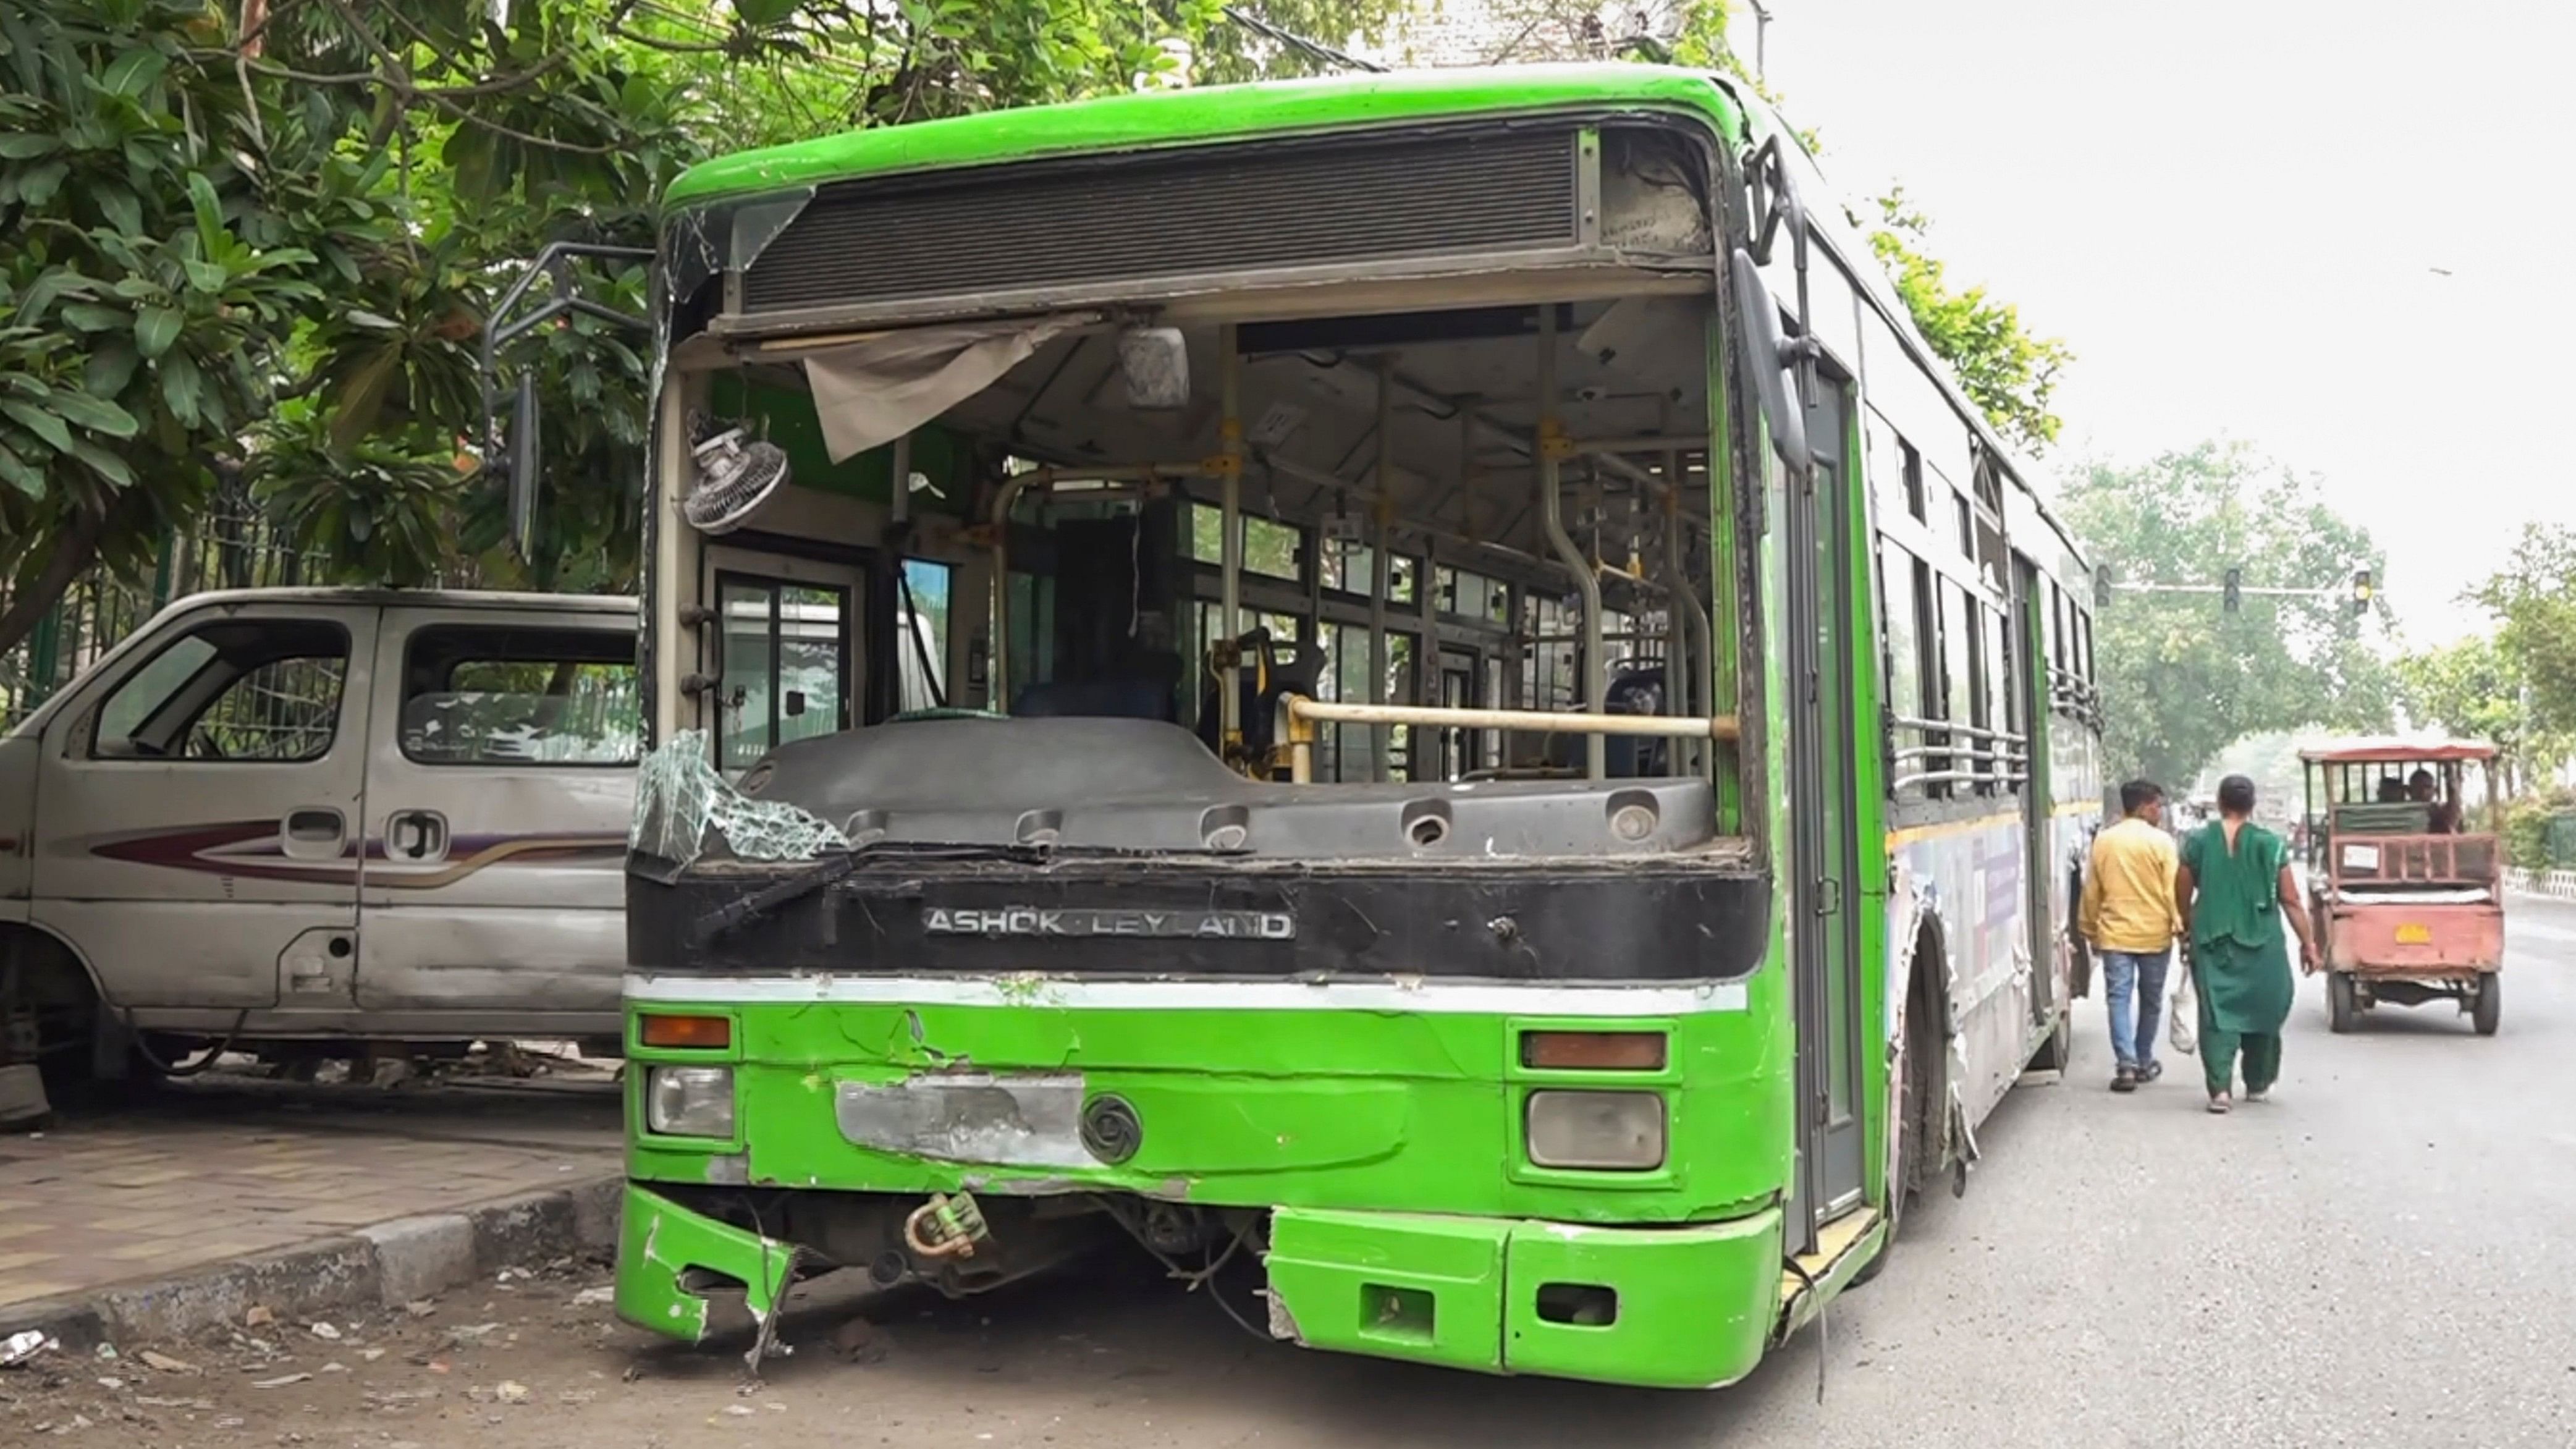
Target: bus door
x=2030 y=694
x=1823 y=808
x=1461 y=750
x=787 y=656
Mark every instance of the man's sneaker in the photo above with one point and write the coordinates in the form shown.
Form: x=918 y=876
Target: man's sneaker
x=2126 y=1080
x=2149 y=1071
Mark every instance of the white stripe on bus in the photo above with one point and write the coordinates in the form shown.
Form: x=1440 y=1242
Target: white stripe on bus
x=1061 y=991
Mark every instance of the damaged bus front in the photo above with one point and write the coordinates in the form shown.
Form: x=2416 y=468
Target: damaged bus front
x=1218 y=676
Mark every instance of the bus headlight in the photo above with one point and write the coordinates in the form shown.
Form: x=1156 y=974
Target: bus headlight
x=690 y=1101
x=1608 y=1131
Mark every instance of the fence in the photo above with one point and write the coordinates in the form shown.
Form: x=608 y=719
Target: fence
x=236 y=547
x=2558 y=883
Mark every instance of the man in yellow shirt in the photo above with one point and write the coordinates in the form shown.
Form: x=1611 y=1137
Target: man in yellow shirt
x=2128 y=915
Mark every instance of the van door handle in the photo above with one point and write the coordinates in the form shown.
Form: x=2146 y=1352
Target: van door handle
x=313 y=825
x=314 y=832
x=416 y=835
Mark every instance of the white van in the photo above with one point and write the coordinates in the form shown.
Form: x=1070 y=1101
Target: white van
x=286 y=817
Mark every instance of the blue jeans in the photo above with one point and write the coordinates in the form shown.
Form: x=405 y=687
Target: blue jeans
x=2140 y=974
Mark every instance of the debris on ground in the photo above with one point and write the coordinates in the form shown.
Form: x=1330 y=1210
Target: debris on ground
x=599 y=1297
x=20 y=1348
x=258 y=1317
x=326 y=1331
x=164 y=1363
x=860 y=1341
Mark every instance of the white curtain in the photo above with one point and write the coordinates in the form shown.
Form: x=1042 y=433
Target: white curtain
x=873 y=392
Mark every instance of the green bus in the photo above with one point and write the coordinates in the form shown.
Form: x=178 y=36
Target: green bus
x=1507 y=758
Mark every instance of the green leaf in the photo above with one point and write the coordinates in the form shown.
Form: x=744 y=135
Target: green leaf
x=111 y=367
x=362 y=397
x=155 y=328
x=180 y=383
x=27 y=145
x=96 y=413
x=96 y=317
x=39 y=422
x=210 y=214
x=121 y=209
x=25 y=479
x=207 y=277
x=104 y=463
x=134 y=72
x=764 y=13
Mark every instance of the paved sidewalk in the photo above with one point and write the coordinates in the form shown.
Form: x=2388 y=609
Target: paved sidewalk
x=215 y=1169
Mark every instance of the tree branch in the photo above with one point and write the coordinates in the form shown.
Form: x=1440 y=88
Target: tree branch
x=73 y=553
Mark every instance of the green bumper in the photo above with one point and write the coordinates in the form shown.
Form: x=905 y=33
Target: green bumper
x=659 y=1242
x=1686 y=1307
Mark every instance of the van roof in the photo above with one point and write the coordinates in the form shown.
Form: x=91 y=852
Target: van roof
x=413 y=599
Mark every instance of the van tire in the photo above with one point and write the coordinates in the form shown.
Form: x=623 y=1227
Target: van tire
x=2486 y=1008
x=48 y=1010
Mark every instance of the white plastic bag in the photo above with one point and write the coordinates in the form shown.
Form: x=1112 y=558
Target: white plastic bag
x=2182 y=1014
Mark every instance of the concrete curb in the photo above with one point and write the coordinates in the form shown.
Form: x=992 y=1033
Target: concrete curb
x=382 y=1266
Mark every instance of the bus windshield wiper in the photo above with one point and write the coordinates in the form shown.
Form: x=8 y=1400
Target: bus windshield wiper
x=770 y=897
x=790 y=889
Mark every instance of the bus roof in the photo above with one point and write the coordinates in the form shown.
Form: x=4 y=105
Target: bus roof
x=1181 y=116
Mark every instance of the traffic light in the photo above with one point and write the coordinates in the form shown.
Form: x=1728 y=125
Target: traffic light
x=2235 y=598
x=2362 y=592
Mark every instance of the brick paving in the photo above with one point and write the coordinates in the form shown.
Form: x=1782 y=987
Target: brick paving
x=214 y=1169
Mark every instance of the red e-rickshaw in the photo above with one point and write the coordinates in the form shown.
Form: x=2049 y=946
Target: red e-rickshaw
x=2407 y=899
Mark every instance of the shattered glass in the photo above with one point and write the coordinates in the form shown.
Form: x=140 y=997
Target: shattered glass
x=678 y=795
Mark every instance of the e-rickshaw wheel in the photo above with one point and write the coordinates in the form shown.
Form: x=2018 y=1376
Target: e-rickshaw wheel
x=2486 y=1008
x=2343 y=1004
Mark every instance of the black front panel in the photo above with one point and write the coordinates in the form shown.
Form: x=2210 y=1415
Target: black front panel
x=1656 y=922
x=1173 y=213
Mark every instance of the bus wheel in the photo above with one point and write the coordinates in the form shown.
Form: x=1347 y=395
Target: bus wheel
x=2343 y=1010
x=2486 y=1008
x=1918 y=1088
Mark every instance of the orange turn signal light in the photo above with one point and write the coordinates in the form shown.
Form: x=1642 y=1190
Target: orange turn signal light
x=702 y=1032
x=1593 y=1051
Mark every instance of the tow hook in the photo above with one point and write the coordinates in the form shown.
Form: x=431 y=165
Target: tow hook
x=946 y=1227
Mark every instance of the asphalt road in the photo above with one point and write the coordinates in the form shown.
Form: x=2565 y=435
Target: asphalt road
x=2380 y=1256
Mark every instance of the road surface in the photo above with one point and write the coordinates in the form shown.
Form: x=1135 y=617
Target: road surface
x=2381 y=1256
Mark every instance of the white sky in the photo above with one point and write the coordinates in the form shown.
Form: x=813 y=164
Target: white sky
x=2231 y=212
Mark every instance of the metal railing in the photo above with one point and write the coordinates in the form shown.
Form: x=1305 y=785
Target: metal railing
x=1301 y=715
x=1990 y=756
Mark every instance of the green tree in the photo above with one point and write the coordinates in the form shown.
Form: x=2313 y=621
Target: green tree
x=2181 y=677
x=2005 y=369
x=2474 y=689
x=2533 y=599
x=164 y=235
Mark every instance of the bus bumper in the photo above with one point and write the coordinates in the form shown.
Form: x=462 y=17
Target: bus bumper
x=666 y=1254
x=1679 y=1307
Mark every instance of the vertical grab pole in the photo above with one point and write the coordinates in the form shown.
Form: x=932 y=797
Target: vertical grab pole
x=1230 y=572
x=1382 y=563
x=1553 y=449
x=1703 y=683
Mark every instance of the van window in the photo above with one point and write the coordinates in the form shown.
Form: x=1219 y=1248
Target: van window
x=506 y=694
x=256 y=691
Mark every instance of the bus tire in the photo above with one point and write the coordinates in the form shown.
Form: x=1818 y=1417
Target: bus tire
x=2486 y=1008
x=2343 y=1007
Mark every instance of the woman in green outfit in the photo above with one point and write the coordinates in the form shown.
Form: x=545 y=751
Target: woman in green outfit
x=2234 y=887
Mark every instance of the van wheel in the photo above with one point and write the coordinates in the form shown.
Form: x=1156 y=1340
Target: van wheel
x=2486 y=1008
x=48 y=1012
x=2343 y=1008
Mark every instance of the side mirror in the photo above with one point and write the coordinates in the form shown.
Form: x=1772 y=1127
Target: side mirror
x=1769 y=362
x=521 y=451
x=1155 y=364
